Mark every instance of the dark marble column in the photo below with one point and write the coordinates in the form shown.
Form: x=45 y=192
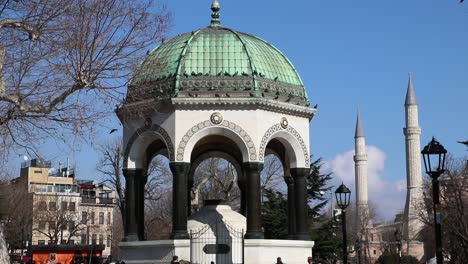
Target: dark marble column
x=254 y=217
x=291 y=207
x=300 y=193
x=140 y=183
x=243 y=203
x=189 y=194
x=131 y=222
x=180 y=172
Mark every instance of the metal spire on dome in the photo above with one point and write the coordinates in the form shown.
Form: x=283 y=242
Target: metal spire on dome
x=359 y=130
x=215 y=7
x=410 y=96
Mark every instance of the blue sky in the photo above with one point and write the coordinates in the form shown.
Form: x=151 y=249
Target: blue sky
x=350 y=55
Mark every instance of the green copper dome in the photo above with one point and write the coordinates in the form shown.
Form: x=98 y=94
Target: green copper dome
x=217 y=62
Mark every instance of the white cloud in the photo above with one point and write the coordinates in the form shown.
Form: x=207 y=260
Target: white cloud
x=388 y=196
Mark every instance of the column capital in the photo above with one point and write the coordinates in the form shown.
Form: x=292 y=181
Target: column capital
x=299 y=172
x=179 y=167
x=135 y=172
x=251 y=166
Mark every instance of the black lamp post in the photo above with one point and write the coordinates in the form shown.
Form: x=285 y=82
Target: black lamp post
x=343 y=195
x=434 y=163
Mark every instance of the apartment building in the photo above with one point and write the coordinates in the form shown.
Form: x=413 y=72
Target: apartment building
x=66 y=210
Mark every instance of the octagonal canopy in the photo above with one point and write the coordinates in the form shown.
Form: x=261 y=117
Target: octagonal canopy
x=217 y=62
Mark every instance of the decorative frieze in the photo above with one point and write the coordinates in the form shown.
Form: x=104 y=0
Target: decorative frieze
x=154 y=128
x=275 y=128
x=209 y=123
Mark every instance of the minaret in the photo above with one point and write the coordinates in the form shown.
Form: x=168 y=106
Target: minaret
x=412 y=226
x=360 y=166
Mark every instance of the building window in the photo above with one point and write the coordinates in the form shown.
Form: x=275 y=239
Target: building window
x=42 y=206
x=101 y=218
x=375 y=252
x=93 y=239
x=108 y=218
x=41 y=225
x=109 y=241
x=63 y=242
x=84 y=217
x=92 y=218
x=83 y=239
x=52 y=206
x=41 y=242
x=71 y=242
x=101 y=240
x=71 y=206
x=71 y=225
x=51 y=242
x=63 y=206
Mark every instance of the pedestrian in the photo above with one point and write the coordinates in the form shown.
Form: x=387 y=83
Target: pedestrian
x=279 y=261
x=309 y=260
x=175 y=260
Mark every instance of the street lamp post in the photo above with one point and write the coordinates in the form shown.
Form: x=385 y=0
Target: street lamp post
x=434 y=163
x=343 y=195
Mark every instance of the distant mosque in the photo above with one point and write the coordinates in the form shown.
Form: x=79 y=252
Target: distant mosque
x=406 y=228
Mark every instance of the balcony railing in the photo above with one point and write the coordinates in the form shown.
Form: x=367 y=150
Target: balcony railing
x=88 y=200
x=106 y=200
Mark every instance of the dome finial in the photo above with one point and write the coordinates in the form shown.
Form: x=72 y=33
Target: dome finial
x=215 y=7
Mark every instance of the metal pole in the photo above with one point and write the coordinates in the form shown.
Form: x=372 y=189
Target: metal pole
x=345 y=251
x=437 y=218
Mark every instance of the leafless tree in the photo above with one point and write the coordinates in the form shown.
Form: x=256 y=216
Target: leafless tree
x=157 y=189
x=17 y=223
x=63 y=224
x=64 y=63
x=215 y=178
x=360 y=231
x=110 y=167
x=272 y=174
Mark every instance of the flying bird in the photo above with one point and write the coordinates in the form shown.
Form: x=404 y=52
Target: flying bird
x=463 y=142
x=113 y=130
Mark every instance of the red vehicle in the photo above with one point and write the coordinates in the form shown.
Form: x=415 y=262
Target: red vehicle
x=67 y=254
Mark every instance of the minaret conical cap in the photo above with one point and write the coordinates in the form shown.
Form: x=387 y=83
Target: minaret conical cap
x=359 y=130
x=410 y=96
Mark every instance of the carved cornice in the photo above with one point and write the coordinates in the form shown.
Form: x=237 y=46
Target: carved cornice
x=145 y=108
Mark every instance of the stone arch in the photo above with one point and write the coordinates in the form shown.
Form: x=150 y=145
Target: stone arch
x=135 y=150
x=292 y=141
x=226 y=128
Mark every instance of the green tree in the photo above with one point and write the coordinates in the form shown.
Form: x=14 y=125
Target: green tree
x=328 y=240
x=274 y=211
x=316 y=188
x=275 y=205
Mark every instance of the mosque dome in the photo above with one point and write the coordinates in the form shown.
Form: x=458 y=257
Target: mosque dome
x=217 y=62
